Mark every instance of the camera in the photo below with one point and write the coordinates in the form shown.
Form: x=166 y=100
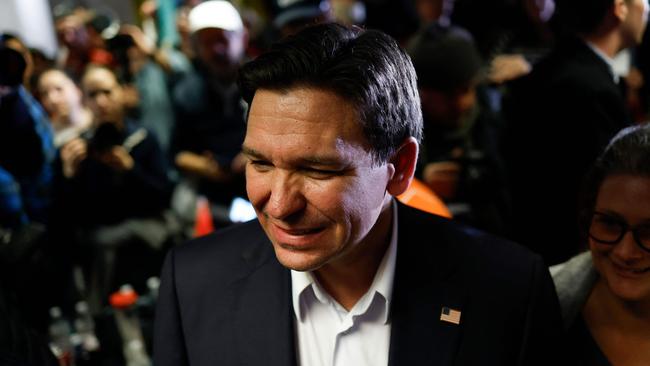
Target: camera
x=103 y=138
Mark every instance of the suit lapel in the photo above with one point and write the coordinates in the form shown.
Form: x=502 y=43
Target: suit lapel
x=421 y=289
x=263 y=314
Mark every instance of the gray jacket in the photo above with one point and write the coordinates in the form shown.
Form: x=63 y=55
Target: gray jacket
x=574 y=280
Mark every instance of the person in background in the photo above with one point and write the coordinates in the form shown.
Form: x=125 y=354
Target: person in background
x=26 y=148
x=20 y=344
x=605 y=292
x=154 y=108
x=292 y=16
x=113 y=192
x=12 y=41
x=561 y=115
x=75 y=50
x=288 y=17
x=334 y=271
x=61 y=99
x=42 y=63
x=460 y=158
x=210 y=113
x=31 y=273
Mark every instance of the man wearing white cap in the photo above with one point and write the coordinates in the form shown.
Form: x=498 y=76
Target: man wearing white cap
x=209 y=111
x=219 y=37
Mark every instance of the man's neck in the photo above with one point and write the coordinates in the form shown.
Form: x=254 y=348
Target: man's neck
x=609 y=43
x=349 y=279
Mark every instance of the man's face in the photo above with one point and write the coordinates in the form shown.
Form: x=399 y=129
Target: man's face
x=635 y=22
x=220 y=50
x=539 y=11
x=103 y=95
x=448 y=109
x=311 y=178
x=71 y=32
x=59 y=94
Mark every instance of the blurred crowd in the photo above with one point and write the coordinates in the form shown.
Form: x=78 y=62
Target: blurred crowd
x=109 y=152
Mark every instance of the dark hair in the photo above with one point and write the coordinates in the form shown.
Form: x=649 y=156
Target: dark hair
x=6 y=37
x=364 y=66
x=628 y=153
x=581 y=16
x=445 y=58
x=12 y=62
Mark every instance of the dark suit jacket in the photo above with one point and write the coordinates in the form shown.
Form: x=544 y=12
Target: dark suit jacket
x=226 y=300
x=560 y=117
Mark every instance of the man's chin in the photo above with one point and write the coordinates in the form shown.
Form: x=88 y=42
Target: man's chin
x=301 y=262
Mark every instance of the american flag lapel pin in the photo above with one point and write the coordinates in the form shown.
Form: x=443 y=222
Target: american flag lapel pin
x=450 y=315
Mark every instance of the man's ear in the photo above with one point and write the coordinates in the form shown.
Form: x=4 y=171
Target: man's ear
x=404 y=160
x=620 y=10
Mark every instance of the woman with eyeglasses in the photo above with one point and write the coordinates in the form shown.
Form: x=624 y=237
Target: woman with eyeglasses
x=605 y=292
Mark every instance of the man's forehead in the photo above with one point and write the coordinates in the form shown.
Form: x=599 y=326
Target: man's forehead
x=304 y=102
x=306 y=157
x=305 y=117
x=210 y=33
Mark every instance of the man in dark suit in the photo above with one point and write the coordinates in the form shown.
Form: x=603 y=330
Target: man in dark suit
x=334 y=271
x=562 y=115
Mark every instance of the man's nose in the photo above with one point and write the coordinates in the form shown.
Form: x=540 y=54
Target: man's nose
x=101 y=100
x=219 y=48
x=286 y=197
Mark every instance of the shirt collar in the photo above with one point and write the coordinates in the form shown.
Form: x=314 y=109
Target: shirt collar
x=382 y=284
x=608 y=60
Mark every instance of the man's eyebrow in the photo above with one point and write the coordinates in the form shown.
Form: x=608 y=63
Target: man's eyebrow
x=307 y=160
x=321 y=161
x=252 y=153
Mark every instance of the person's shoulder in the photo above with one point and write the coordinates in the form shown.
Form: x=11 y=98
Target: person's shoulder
x=455 y=233
x=237 y=237
x=228 y=249
x=483 y=251
x=577 y=265
x=576 y=66
x=473 y=250
x=574 y=280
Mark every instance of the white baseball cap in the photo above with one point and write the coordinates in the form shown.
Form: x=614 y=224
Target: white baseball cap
x=215 y=14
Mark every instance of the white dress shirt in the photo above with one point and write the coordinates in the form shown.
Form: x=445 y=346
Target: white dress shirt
x=329 y=335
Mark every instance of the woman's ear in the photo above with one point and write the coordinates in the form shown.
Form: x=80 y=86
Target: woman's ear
x=404 y=161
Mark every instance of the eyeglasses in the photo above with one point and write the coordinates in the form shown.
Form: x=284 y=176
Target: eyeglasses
x=609 y=229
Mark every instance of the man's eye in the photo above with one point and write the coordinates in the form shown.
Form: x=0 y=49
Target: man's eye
x=321 y=173
x=260 y=165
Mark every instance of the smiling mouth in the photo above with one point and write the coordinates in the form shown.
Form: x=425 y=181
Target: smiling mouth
x=296 y=238
x=300 y=232
x=630 y=270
